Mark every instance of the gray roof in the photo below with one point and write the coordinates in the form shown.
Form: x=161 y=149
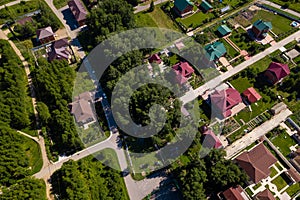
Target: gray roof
x=82 y=108
x=44 y=32
x=78 y=9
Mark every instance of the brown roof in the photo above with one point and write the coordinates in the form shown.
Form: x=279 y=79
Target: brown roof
x=24 y=20
x=59 y=50
x=78 y=9
x=294 y=174
x=233 y=193
x=81 y=108
x=265 y=195
x=44 y=32
x=257 y=162
x=61 y=43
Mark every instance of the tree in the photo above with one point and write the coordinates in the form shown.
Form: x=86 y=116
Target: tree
x=201 y=39
x=152 y=6
x=43 y=111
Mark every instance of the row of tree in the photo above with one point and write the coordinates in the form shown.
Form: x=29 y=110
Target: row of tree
x=14 y=105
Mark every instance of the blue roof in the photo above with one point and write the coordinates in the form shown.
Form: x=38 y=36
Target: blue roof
x=215 y=50
x=261 y=25
x=205 y=5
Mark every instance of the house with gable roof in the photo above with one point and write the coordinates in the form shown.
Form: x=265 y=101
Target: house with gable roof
x=45 y=35
x=264 y=195
x=251 y=95
x=234 y=193
x=205 y=6
x=78 y=11
x=260 y=28
x=215 y=50
x=183 y=7
x=276 y=72
x=60 y=50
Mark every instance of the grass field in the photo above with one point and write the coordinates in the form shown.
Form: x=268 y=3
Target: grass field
x=108 y=157
x=230 y=50
x=33 y=153
x=280 y=24
x=293 y=189
x=284 y=141
x=273 y=172
x=195 y=20
x=157 y=18
x=2 y=2
x=280 y=182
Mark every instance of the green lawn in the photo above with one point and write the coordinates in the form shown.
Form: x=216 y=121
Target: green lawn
x=249 y=192
x=294 y=6
x=230 y=50
x=273 y=172
x=60 y=3
x=195 y=20
x=2 y=2
x=241 y=84
x=293 y=189
x=33 y=153
x=280 y=24
x=256 y=186
x=280 y=182
x=109 y=157
x=278 y=166
x=157 y=18
x=283 y=141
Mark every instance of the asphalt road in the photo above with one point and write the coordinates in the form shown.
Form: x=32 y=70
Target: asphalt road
x=256 y=133
x=141 y=8
x=193 y=94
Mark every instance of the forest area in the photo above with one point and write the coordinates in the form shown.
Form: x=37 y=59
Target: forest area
x=20 y=156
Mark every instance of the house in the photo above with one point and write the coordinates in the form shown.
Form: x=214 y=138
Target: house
x=264 y=195
x=82 y=109
x=251 y=95
x=183 y=7
x=276 y=72
x=223 y=101
x=45 y=35
x=278 y=108
x=211 y=140
x=184 y=69
x=59 y=50
x=223 y=30
x=78 y=11
x=234 y=193
x=261 y=28
x=24 y=20
x=257 y=162
x=215 y=50
x=155 y=59
x=205 y=6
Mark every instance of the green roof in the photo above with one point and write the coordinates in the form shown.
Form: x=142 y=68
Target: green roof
x=205 y=5
x=224 y=30
x=182 y=4
x=261 y=25
x=215 y=50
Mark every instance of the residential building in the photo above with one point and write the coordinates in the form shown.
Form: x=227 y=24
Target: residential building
x=278 y=108
x=211 y=140
x=215 y=50
x=45 y=35
x=260 y=28
x=155 y=59
x=223 y=101
x=24 y=20
x=276 y=72
x=183 y=7
x=234 y=193
x=205 y=6
x=257 y=162
x=82 y=109
x=60 y=50
x=251 y=95
x=264 y=195
x=183 y=72
x=224 y=30
x=78 y=10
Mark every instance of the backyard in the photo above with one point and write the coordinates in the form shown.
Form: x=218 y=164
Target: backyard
x=283 y=142
x=280 y=24
x=280 y=181
x=231 y=52
x=195 y=20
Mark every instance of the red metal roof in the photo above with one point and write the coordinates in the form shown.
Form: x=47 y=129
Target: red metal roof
x=224 y=100
x=252 y=95
x=212 y=140
x=233 y=193
x=279 y=70
x=155 y=58
x=184 y=69
x=257 y=162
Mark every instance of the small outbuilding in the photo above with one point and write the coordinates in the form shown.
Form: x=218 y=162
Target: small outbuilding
x=45 y=35
x=251 y=95
x=224 y=30
x=205 y=6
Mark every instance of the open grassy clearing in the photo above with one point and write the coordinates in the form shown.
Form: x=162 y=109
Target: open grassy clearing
x=280 y=24
x=280 y=182
x=157 y=18
x=195 y=20
x=283 y=141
